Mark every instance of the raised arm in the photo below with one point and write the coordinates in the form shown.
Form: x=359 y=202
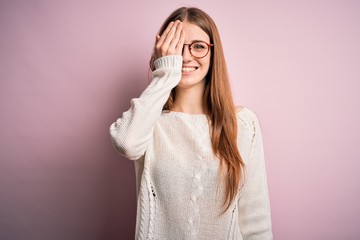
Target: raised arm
x=132 y=132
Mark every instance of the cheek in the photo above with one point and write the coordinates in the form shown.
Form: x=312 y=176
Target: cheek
x=206 y=65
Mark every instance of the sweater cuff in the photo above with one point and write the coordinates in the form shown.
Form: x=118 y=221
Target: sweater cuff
x=172 y=61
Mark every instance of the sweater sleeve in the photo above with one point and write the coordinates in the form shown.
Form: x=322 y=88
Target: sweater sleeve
x=131 y=132
x=253 y=203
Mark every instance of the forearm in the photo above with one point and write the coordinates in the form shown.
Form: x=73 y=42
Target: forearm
x=131 y=132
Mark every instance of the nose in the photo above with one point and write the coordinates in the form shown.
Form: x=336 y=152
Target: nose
x=187 y=57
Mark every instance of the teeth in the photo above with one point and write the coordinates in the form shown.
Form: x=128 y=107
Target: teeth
x=188 y=69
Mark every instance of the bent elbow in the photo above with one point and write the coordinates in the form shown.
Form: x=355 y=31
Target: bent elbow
x=131 y=152
x=126 y=146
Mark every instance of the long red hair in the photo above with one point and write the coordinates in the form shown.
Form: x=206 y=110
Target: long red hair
x=218 y=101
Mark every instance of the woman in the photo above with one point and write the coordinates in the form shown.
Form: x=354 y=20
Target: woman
x=199 y=161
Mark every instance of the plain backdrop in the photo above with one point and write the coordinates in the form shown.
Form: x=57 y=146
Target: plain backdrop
x=68 y=69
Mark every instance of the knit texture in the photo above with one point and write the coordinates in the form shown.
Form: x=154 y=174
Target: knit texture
x=180 y=191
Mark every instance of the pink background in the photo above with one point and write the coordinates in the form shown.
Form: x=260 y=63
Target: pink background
x=68 y=69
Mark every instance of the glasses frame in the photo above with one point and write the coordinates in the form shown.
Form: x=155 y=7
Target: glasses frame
x=189 y=47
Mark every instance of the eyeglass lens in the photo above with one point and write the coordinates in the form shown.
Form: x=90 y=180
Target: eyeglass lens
x=199 y=49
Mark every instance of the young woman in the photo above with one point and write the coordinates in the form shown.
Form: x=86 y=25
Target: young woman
x=199 y=160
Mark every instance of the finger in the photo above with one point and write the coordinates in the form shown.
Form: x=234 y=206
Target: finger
x=164 y=34
x=180 y=44
x=170 y=35
x=176 y=36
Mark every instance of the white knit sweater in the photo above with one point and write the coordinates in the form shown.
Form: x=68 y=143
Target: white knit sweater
x=180 y=193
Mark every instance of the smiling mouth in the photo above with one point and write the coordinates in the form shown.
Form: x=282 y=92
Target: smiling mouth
x=188 y=69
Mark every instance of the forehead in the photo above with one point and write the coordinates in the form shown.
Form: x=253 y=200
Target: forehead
x=193 y=32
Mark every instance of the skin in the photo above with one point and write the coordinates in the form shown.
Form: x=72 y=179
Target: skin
x=190 y=90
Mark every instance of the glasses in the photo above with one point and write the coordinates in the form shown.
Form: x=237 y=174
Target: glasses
x=199 y=49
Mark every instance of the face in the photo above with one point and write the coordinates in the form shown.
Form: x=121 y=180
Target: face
x=194 y=69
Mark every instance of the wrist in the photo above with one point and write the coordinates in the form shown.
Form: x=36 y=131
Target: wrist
x=170 y=61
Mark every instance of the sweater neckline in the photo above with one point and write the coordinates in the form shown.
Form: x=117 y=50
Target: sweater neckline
x=194 y=115
x=184 y=114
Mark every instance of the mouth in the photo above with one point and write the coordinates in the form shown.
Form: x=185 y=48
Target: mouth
x=188 y=69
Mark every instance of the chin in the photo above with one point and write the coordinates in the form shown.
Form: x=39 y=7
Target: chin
x=188 y=82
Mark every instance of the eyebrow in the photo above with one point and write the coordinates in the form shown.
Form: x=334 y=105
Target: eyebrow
x=197 y=41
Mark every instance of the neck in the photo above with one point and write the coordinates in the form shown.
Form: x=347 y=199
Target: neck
x=190 y=100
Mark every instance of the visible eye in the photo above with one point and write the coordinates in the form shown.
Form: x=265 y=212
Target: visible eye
x=198 y=46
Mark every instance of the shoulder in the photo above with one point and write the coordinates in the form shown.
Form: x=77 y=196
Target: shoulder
x=246 y=114
x=247 y=118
